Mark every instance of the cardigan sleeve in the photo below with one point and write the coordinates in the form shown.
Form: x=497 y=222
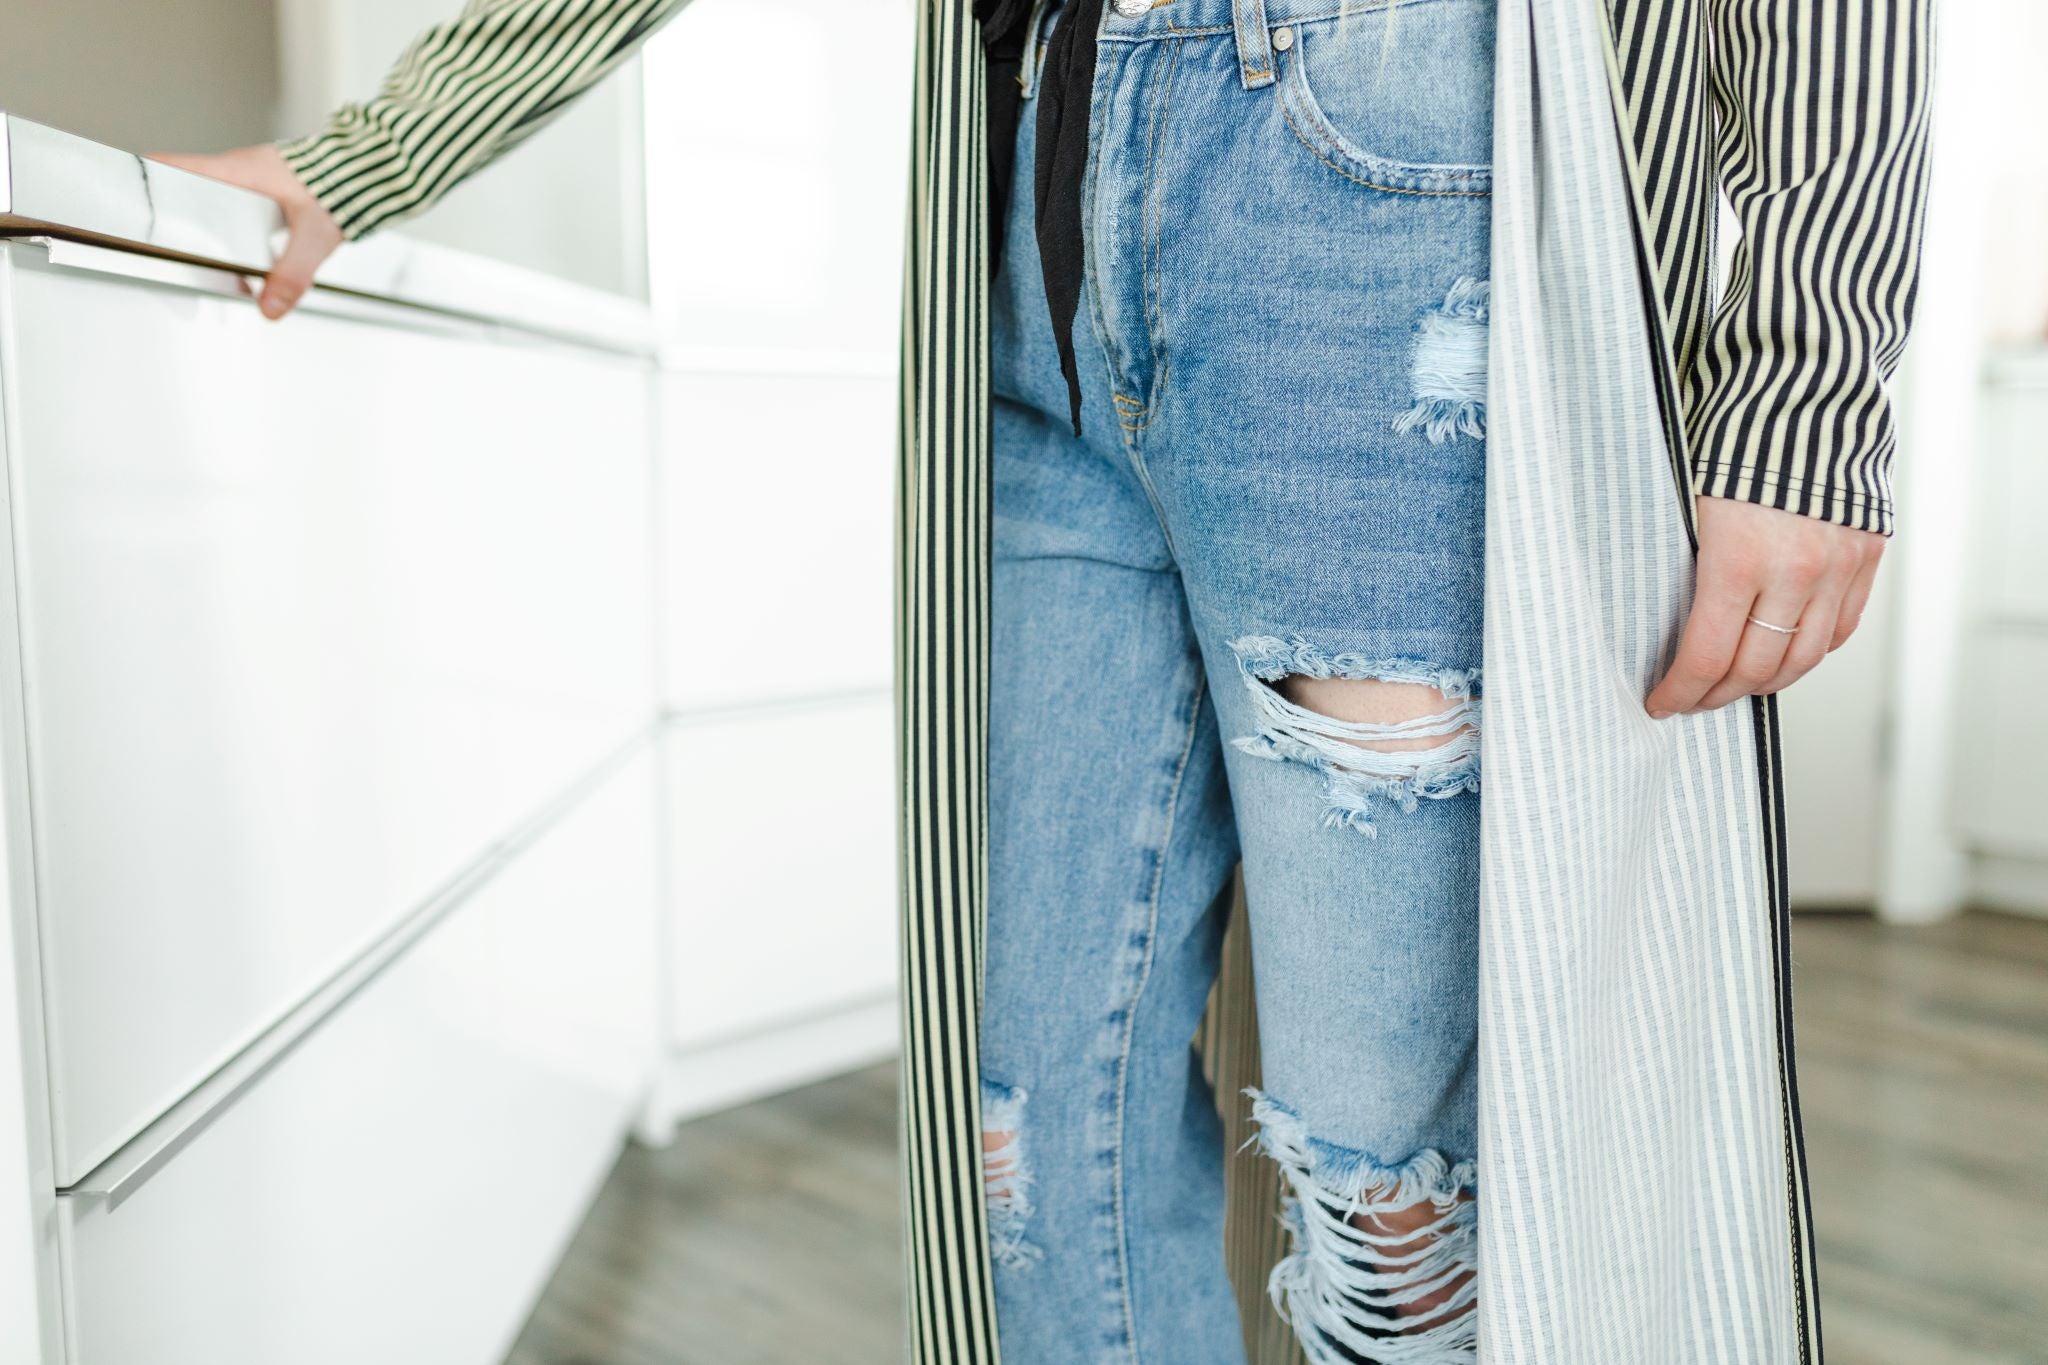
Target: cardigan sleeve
x=1822 y=151
x=466 y=91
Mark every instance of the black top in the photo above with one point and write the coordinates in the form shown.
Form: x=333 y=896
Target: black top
x=1065 y=85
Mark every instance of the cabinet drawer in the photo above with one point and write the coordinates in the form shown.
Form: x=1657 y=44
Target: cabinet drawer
x=399 y=1186
x=2015 y=480
x=2001 y=774
x=312 y=614
x=781 y=845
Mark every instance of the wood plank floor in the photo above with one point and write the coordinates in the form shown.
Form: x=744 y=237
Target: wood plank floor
x=767 y=1235
x=1923 y=1067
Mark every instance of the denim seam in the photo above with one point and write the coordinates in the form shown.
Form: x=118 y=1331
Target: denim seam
x=1133 y=415
x=1154 y=277
x=1180 y=771
x=1091 y=245
x=1317 y=152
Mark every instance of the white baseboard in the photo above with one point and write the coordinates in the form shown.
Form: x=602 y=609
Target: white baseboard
x=705 y=1078
x=2016 y=885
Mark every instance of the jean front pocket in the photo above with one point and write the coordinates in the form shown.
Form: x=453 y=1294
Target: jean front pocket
x=1395 y=96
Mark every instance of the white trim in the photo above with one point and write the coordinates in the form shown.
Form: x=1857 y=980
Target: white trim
x=2017 y=886
x=733 y=1071
x=840 y=363
x=682 y=717
x=31 y=1295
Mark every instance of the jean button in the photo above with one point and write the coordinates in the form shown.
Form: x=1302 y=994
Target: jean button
x=1283 y=38
x=1131 y=9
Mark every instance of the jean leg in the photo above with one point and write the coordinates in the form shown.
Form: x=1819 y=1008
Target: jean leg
x=1110 y=849
x=1111 y=845
x=1313 y=346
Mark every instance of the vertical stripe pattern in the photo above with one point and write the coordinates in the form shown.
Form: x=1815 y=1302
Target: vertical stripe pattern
x=1639 y=1169
x=943 y=515
x=1814 y=116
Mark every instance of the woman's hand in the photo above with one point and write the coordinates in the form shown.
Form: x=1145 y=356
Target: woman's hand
x=311 y=232
x=1781 y=567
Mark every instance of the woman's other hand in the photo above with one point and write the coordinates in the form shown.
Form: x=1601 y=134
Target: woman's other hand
x=311 y=232
x=1776 y=566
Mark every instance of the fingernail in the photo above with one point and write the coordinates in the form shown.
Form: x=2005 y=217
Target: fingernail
x=1659 y=715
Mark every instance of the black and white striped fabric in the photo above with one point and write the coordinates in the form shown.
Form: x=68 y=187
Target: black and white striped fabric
x=464 y=93
x=1642 y=1167
x=943 y=559
x=1642 y=1170
x=1812 y=117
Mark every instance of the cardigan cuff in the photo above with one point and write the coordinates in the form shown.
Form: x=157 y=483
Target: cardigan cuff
x=342 y=166
x=1860 y=509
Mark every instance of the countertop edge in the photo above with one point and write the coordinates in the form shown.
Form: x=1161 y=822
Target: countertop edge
x=59 y=184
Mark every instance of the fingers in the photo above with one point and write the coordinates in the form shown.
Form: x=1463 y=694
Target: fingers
x=1713 y=631
x=1780 y=568
x=1853 y=603
x=1802 y=651
x=1762 y=654
x=291 y=275
x=312 y=234
x=1806 y=649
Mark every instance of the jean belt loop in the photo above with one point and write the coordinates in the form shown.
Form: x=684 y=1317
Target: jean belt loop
x=1033 y=61
x=1254 y=42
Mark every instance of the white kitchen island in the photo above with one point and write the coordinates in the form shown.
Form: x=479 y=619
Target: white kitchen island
x=341 y=939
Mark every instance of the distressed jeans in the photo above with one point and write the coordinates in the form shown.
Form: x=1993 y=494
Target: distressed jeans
x=1282 y=345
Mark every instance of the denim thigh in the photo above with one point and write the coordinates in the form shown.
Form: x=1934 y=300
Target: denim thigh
x=1282 y=349
x=1289 y=278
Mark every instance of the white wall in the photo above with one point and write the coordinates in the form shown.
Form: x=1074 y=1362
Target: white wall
x=776 y=245
x=167 y=75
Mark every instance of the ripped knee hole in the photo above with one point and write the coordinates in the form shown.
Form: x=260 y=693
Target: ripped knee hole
x=1401 y=729
x=1384 y=1258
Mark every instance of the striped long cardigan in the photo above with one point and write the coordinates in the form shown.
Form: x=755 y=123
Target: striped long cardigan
x=1643 y=1175
x=1640 y=1153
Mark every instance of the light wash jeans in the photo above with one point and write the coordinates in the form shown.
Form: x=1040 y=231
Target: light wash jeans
x=1282 y=349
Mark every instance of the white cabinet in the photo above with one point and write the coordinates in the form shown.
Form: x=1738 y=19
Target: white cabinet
x=330 y=827
x=2002 y=772
x=2014 y=583
x=2000 y=780
x=779 y=403
x=311 y=614
x=398 y=1187
x=781 y=848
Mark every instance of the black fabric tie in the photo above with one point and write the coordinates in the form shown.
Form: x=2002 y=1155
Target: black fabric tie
x=1002 y=39
x=1066 y=85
